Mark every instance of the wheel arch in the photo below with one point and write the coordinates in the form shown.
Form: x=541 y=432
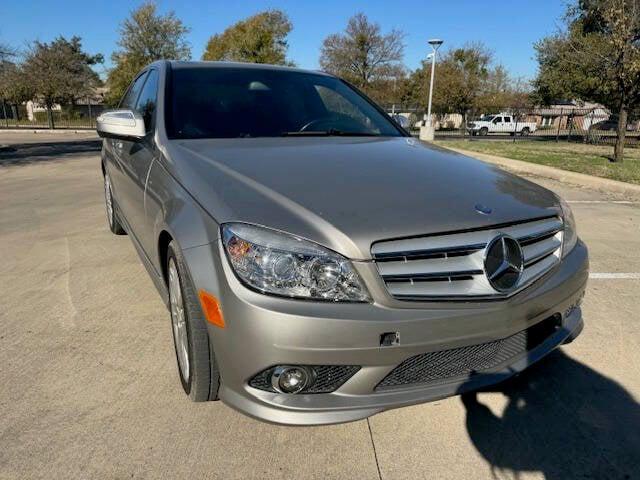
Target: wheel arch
x=164 y=239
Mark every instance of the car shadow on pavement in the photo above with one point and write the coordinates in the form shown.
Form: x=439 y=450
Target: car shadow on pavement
x=29 y=153
x=562 y=419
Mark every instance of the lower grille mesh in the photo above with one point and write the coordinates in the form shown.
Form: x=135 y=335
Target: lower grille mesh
x=465 y=361
x=328 y=378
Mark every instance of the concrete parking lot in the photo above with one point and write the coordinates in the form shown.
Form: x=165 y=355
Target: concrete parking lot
x=89 y=385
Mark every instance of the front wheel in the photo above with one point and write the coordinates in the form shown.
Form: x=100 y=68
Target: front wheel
x=196 y=365
x=110 y=206
x=484 y=131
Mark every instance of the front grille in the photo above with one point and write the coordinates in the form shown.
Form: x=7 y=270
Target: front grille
x=328 y=378
x=451 y=266
x=434 y=367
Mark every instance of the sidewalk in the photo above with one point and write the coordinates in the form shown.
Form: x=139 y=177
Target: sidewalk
x=14 y=136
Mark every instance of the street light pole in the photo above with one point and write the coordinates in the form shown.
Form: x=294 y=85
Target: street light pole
x=435 y=44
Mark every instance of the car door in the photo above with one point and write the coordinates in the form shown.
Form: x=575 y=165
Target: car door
x=140 y=156
x=117 y=164
x=496 y=124
x=507 y=124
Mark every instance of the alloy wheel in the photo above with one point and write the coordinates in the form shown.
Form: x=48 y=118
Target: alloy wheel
x=178 y=321
x=108 y=199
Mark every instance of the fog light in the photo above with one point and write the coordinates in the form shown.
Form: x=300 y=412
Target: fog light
x=290 y=379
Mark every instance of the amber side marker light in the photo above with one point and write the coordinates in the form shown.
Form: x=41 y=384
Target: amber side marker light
x=211 y=309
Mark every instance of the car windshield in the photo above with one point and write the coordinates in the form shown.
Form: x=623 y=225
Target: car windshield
x=230 y=102
x=486 y=118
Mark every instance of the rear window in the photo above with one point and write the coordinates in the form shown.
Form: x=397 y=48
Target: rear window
x=228 y=102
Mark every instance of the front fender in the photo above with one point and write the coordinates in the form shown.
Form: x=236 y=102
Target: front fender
x=177 y=213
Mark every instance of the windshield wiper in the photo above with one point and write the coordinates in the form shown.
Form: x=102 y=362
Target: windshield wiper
x=332 y=132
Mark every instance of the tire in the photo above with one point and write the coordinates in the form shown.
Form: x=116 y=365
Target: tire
x=484 y=131
x=197 y=367
x=110 y=206
x=525 y=132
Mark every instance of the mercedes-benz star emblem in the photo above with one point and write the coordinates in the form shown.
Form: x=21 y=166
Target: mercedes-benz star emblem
x=483 y=209
x=503 y=263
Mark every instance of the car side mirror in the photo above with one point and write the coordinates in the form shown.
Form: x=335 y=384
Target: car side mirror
x=124 y=124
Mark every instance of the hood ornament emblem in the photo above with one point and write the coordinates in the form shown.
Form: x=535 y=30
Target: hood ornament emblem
x=483 y=209
x=504 y=263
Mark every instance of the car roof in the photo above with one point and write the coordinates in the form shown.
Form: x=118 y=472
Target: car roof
x=175 y=64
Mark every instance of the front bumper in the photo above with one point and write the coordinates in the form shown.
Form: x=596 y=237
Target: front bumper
x=262 y=331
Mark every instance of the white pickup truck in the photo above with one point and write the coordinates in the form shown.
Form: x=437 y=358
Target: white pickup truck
x=500 y=123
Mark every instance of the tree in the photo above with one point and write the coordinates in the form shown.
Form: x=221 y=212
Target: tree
x=261 y=38
x=362 y=54
x=502 y=92
x=13 y=87
x=6 y=52
x=596 y=58
x=466 y=80
x=11 y=82
x=461 y=77
x=59 y=72
x=144 y=38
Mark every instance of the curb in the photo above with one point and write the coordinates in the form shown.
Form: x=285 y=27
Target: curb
x=46 y=131
x=565 y=176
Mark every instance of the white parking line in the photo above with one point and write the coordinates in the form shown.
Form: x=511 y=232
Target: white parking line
x=619 y=202
x=609 y=276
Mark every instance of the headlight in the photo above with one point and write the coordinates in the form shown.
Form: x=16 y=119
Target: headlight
x=282 y=264
x=570 y=236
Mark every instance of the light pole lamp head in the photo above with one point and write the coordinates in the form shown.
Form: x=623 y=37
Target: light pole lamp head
x=435 y=43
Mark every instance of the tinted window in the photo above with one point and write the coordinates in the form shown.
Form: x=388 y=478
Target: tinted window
x=146 y=104
x=497 y=119
x=129 y=99
x=249 y=102
x=507 y=119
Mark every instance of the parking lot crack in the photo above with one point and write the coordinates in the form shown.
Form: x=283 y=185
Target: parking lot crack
x=375 y=453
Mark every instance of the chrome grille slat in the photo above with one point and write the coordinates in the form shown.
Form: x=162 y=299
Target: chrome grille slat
x=461 y=241
x=451 y=265
x=539 y=250
x=538 y=269
x=427 y=266
x=463 y=288
x=437 y=276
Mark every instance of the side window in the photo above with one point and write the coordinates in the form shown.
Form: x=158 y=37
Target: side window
x=507 y=119
x=129 y=99
x=146 y=105
x=497 y=120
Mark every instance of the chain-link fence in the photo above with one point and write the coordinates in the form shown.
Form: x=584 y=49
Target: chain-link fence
x=567 y=123
x=81 y=115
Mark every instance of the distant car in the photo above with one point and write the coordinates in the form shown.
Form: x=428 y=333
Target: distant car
x=319 y=264
x=609 y=125
x=500 y=123
x=401 y=120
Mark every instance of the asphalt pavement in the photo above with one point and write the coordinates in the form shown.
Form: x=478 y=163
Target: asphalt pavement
x=89 y=386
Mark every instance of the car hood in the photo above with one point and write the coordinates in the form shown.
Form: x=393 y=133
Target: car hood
x=346 y=193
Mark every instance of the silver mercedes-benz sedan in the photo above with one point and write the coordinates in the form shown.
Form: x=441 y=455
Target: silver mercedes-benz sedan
x=320 y=265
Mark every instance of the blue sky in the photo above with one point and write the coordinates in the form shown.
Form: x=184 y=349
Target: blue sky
x=507 y=28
